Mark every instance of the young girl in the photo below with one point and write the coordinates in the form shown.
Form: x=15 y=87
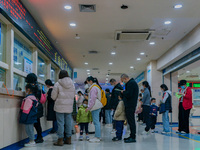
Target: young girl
x=120 y=117
x=28 y=113
x=83 y=119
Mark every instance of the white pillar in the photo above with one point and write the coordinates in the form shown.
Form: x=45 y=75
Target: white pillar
x=48 y=69
x=9 y=56
x=35 y=60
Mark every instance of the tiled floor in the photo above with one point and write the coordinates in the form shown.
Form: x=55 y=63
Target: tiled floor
x=154 y=141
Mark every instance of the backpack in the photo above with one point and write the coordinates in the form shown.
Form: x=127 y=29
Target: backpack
x=103 y=96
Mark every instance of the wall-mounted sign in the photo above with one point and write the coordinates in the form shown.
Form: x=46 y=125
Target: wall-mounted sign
x=28 y=65
x=16 y=13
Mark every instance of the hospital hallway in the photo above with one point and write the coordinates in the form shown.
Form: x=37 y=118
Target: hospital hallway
x=153 y=141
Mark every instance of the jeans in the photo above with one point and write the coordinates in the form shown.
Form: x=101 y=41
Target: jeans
x=119 y=128
x=113 y=121
x=64 y=120
x=84 y=126
x=38 y=128
x=95 y=117
x=108 y=116
x=130 y=115
x=165 y=119
x=55 y=125
x=30 y=131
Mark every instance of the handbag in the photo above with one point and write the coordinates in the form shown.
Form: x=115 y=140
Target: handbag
x=43 y=98
x=162 y=108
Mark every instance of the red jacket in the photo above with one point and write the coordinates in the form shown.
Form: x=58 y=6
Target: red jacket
x=187 y=99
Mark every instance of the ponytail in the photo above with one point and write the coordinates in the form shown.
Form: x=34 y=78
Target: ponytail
x=146 y=84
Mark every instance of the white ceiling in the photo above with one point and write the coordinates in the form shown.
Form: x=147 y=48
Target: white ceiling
x=97 y=31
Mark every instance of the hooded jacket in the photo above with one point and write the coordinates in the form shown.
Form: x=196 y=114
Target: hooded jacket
x=187 y=99
x=63 y=93
x=82 y=116
x=120 y=112
x=114 y=96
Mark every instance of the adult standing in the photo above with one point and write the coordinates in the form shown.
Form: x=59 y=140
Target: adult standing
x=167 y=100
x=146 y=102
x=95 y=106
x=107 y=108
x=185 y=105
x=114 y=99
x=130 y=97
x=63 y=93
x=32 y=79
x=51 y=114
x=80 y=99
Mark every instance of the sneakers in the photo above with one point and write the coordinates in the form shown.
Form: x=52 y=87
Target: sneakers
x=183 y=132
x=116 y=139
x=113 y=131
x=130 y=140
x=87 y=138
x=145 y=133
x=177 y=131
x=30 y=144
x=81 y=138
x=152 y=131
x=39 y=140
x=126 y=138
x=94 y=140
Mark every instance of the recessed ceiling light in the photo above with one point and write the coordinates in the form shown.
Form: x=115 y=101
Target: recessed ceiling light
x=86 y=63
x=131 y=67
x=88 y=73
x=152 y=43
x=138 y=58
x=178 y=6
x=113 y=53
x=72 y=24
x=110 y=63
x=168 y=22
x=142 y=53
x=68 y=7
x=88 y=70
x=106 y=79
x=107 y=75
x=188 y=71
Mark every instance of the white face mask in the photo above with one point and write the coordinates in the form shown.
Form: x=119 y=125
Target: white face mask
x=85 y=105
x=86 y=86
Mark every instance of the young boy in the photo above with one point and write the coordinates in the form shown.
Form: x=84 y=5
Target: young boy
x=153 y=114
x=119 y=117
x=83 y=119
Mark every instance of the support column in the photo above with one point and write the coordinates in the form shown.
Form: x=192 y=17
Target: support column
x=35 y=60
x=48 y=69
x=9 y=56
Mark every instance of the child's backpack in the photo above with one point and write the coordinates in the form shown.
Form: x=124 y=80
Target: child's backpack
x=103 y=96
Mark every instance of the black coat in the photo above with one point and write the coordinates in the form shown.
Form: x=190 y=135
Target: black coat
x=108 y=105
x=40 y=111
x=114 y=96
x=51 y=114
x=130 y=95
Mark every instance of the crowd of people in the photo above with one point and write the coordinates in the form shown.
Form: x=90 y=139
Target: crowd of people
x=119 y=107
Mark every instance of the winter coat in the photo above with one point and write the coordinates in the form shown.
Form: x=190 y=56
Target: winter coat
x=63 y=93
x=80 y=101
x=108 y=105
x=187 y=99
x=82 y=116
x=40 y=111
x=114 y=96
x=51 y=114
x=120 y=114
x=146 y=97
x=130 y=95
x=167 y=99
x=28 y=111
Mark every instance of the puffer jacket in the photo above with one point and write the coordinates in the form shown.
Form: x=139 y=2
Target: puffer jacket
x=82 y=116
x=120 y=112
x=63 y=93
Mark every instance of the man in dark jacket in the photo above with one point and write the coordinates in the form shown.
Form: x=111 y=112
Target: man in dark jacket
x=114 y=98
x=130 y=97
x=108 y=108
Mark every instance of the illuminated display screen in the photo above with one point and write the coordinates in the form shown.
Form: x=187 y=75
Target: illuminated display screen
x=196 y=85
x=15 y=12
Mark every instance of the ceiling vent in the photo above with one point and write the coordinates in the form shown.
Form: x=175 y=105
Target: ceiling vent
x=95 y=68
x=87 y=8
x=93 y=52
x=192 y=76
x=135 y=35
x=116 y=74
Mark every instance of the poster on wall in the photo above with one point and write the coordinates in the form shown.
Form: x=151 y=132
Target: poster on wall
x=28 y=65
x=149 y=74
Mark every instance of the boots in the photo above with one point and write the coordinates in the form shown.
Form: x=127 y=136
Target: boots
x=59 y=142
x=68 y=140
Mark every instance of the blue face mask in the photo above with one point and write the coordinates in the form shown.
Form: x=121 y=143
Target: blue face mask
x=124 y=83
x=183 y=87
x=153 y=103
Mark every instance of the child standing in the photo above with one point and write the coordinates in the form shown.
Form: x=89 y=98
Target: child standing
x=28 y=113
x=83 y=119
x=119 y=117
x=153 y=114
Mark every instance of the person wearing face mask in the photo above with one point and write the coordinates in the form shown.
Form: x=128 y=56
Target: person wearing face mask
x=83 y=119
x=80 y=99
x=167 y=100
x=114 y=100
x=153 y=114
x=130 y=98
x=185 y=105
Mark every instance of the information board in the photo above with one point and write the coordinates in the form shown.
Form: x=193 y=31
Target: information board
x=16 y=13
x=28 y=65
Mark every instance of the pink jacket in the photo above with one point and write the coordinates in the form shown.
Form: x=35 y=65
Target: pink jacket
x=63 y=93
